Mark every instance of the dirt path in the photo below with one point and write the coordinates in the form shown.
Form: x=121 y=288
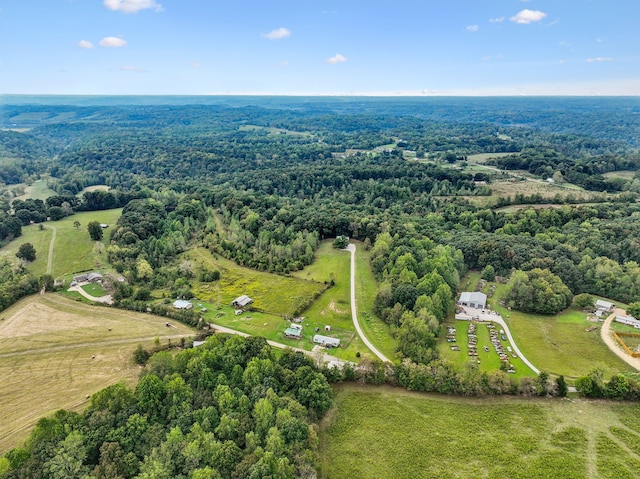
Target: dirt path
x=50 y=257
x=102 y=299
x=112 y=342
x=325 y=358
x=354 y=310
x=609 y=340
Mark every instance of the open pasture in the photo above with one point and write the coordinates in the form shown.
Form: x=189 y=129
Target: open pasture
x=73 y=249
x=561 y=343
x=54 y=352
x=375 y=432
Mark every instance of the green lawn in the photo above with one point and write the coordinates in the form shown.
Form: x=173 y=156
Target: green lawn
x=94 y=290
x=73 y=249
x=384 y=432
x=560 y=344
x=376 y=330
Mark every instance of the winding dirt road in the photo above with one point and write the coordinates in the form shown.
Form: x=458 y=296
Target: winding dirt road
x=609 y=340
x=354 y=311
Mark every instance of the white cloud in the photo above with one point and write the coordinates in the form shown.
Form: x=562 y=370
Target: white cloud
x=472 y=28
x=528 y=16
x=338 y=58
x=284 y=63
x=496 y=20
x=132 y=6
x=129 y=68
x=277 y=34
x=112 y=42
x=599 y=59
x=195 y=64
x=85 y=44
x=598 y=40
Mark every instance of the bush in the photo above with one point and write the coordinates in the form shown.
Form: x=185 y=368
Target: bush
x=341 y=242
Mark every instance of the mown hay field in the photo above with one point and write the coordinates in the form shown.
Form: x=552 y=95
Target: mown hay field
x=55 y=352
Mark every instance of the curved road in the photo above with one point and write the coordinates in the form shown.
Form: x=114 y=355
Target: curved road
x=605 y=334
x=495 y=318
x=352 y=249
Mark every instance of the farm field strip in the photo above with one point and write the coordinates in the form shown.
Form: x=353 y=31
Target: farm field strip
x=56 y=352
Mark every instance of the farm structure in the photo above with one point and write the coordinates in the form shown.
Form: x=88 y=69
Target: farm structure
x=92 y=277
x=242 y=301
x=293 y=333
x=182 y=304
x=628 y=320
x=326 y=341
x=603 y=308
x=474 y=299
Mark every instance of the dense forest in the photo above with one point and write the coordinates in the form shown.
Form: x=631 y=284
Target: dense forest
x=228 y=409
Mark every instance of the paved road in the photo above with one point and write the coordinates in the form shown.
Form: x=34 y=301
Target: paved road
x=50 y=257
x=609 y=340
x=354 y=313
x=496 y=318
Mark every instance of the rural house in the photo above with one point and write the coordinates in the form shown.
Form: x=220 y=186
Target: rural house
x=241 y=301
x=293 y=333
x=326 y=341
x=474 y=299
x=182 y=304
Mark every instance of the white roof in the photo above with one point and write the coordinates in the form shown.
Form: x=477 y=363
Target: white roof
x=473 y=297
x=181 y=304
x=603 y=304
x=242 y=300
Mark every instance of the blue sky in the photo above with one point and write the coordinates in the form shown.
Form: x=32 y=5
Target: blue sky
x=446 y=47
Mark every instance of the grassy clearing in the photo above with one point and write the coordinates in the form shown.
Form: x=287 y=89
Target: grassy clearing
x=560 y=344
x=333 y=308
x=625 y=174
x=55 y=352
x=385 y=432
x=37 y=191
x=483 y=157
x=94 y=188
x=376 y=330
x=274 y=131
x=544 y=189
x=73 y=250
x=276 y=294
x=94 y=290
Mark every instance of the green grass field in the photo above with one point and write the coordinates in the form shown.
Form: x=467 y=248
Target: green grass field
x=384 y=432
x=376 y=330
x=483 y=157
x=94 y=290
x=54 y=352
x=37 y=191
x=73 y=249
x=559 y=344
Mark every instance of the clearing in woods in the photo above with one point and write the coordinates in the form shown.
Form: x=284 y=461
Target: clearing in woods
x=55 y=352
